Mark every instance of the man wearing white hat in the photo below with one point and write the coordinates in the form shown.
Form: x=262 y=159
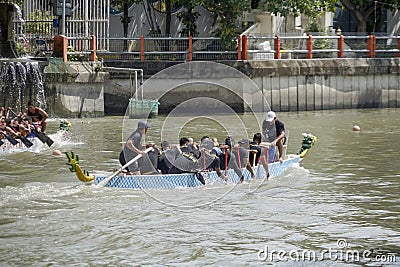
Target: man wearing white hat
x=274 y=132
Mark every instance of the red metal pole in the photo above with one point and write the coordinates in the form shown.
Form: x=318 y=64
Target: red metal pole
x=60 y=47
x=190 y=48
x=374 y=44
x=309 y=47
x=239 y=52
x=93 y=45
x=142 y=47
x=371 y=45
x=79 y=45
x=277 y=47
x=341 y=46
x=244 y=47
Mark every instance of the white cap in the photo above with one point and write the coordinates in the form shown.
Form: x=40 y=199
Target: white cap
x=270 y=116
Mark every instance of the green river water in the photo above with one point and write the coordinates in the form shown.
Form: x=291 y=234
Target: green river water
x=342 y=201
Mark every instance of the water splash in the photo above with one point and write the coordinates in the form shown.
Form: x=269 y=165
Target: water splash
x=20 y=82
x=35 y=78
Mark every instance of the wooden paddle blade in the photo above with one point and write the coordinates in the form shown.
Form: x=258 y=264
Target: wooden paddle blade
x=49 y=142
x=26 y=141
x=40 y=135
x=11 y=140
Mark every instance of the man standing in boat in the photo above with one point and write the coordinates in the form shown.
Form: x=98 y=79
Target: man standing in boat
x=38 y=115
x=132 y=148
x=274 y=133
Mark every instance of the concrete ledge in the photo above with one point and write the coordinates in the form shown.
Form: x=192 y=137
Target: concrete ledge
x=75 y=89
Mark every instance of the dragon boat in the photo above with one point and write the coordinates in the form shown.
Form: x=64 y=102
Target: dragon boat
x=172 y=181
x=17 y=145
x=14 y=145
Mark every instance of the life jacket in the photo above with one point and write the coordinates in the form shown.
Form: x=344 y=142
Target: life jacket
x=254 y=158
x=184 y=162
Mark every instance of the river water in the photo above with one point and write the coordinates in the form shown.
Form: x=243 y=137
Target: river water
x=340 y=203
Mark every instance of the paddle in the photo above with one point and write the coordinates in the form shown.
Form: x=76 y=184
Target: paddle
x=265 y=144
x=43 y=137
x=26 y=141
x=106 y=180
x=254 y=152
x=10 y=139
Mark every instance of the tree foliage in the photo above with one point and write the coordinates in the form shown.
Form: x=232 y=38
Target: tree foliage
x=188 y=16
x=226 y=13
x=365 y=10
x=18 y=2
x=311 y=8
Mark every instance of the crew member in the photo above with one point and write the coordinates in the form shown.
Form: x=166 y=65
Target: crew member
x=274 y=132
x=134 y=147
x=38 y=115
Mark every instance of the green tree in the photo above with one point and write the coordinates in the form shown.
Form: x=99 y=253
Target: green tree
x=226 y=13
x=188 y=16
x=365 y=10
x=311 y=8
x=125 y=19
x=18 y=2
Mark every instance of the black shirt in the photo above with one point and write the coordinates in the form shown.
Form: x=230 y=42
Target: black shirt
x=136 y=138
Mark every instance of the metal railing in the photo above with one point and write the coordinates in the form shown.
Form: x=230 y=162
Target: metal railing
x=244 y=47
x=321 y=46
x=168 y=48
x=253 y=48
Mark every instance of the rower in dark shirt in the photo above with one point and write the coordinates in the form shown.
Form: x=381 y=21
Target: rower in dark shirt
x=38 y=115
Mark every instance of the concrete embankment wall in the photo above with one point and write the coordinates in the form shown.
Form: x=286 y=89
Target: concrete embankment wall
x=80 y=89
x=297 y=85
x=74 y=89
x=287 y=85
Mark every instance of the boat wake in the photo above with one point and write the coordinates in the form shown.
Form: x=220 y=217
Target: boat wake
x=293 y=175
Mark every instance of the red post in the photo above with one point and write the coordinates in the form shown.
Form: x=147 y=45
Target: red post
x=60 y=47
x=239 y=45
x=371 y=45
x=309 y=46
x=244 y=48
x=93 y=45
x=341 y=46
x=277 y=47
x=80 y=45
x=142 y=47
x=374 y=44
x=190 y=48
